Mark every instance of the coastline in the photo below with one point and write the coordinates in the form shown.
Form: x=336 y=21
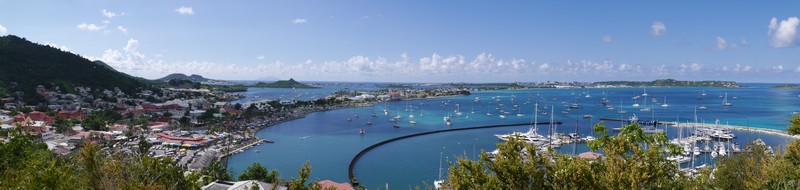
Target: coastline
x=246 y=146
x=299 y=114
x=292 y=116
x=741 y=128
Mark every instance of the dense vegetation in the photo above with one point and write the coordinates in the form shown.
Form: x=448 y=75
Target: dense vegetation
x=291 y=83
x=633 y=160
x=25 y=65
x=27 y=164
x=673 y=82
x=794 y=125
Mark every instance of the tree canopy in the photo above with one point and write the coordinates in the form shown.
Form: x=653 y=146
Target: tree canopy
x=632 y=160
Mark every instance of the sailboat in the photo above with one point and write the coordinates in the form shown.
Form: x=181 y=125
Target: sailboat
x=411 y=117
x=645 y=92
x=665 y=102
x=555 y=140
x=725 y=101
x=439 y=184
x=621 y=111
x=645 y=108
x=700 y=96
x=361 y=131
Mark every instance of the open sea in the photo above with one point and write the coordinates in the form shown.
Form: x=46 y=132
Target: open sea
x=329 y=141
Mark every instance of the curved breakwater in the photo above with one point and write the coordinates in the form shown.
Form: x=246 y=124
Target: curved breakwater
x=354 y=161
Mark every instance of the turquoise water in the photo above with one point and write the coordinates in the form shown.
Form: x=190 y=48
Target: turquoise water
x=329 y=141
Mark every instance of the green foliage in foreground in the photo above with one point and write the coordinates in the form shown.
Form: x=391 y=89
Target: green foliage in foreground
x=27 y=164
x=633 y=160
x=794 y=125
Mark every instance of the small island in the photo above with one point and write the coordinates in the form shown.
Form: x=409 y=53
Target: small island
x=291 y=83
x=673 y=83
x=787 y=86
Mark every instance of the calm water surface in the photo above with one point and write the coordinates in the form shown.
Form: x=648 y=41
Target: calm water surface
x=329 y=141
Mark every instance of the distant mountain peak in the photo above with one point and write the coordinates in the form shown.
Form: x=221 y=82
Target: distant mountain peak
x=193 y=77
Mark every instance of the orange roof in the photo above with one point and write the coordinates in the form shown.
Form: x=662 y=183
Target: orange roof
x=590 y=155
x=341 y=186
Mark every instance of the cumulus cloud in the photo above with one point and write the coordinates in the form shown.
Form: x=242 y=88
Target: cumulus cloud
x=62 y=48
x=90 y=27
x=299 y=21
x=658 y=28
x=797 y=70
x=739 y=68
x=123 y=29
x=607 y=39
x=3 y=30
x=432 y=67
x=185 y=10
x=132 y=61
x=693 y=68
x=784 y=33
x=110 y=15
x=777 y=69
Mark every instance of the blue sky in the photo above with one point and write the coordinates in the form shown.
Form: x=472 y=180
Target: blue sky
x=424 y=41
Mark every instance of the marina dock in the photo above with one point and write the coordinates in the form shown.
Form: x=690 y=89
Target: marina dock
x=739 y=128
x=242 y=148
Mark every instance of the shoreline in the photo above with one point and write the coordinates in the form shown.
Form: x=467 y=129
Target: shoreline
x=302 y=114
x=242 y=148
x=741 y=128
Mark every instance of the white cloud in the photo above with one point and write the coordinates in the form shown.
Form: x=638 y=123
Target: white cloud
x=658 y=28
x=661 y=70
x=3 y=30
x=62 y=48
x=110 y=15
x=299 y=21
x=185 y=10
x=721 y=43
x=744 y=42
x=695 y=67
x=783 y=34
x=90 y=27
x=741 y=69
x=123 y=29
x=433 y=67
x=797 y=70
x=607 y=39
x=777 y=69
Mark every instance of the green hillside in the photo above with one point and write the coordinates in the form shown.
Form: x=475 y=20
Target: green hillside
x=25 y=65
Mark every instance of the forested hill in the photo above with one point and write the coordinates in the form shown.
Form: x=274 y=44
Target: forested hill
x=25 y=65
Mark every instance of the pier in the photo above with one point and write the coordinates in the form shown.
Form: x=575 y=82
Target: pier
x=358 y=156
x=242 y=148
x=639 y=121
x=740 y=128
